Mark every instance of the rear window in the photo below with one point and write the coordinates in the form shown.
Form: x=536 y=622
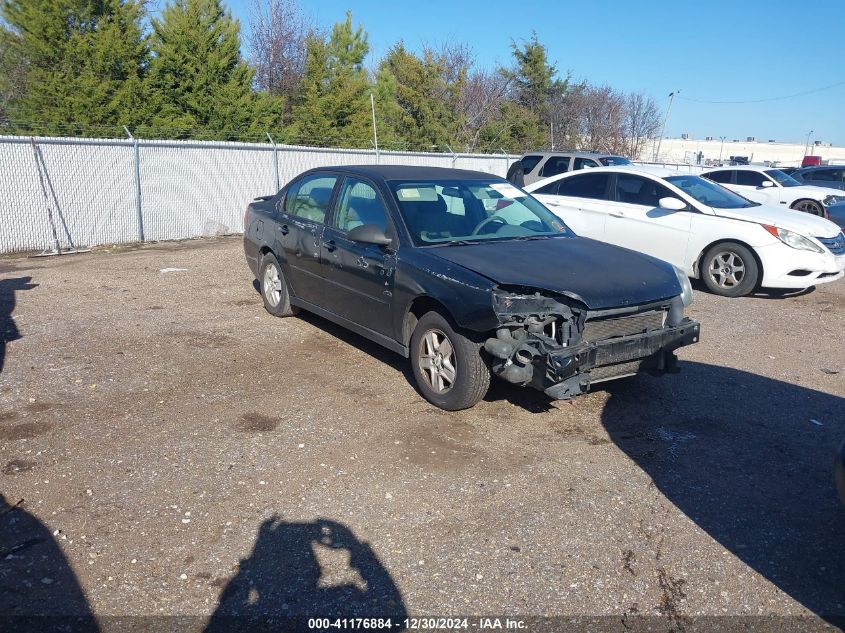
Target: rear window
x=530 y=162
x=610 y=161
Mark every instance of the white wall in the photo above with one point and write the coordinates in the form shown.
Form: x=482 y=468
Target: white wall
x=675 y=150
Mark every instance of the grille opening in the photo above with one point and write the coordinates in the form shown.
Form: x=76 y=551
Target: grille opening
x=800 y=272
x=614 y=327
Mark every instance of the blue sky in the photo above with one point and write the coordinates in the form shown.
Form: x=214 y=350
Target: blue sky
x=717 y=50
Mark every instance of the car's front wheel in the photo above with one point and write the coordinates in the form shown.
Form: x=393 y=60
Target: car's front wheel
x=809 y=206
x=274 y=290
x=729 y=269
x=448 y=367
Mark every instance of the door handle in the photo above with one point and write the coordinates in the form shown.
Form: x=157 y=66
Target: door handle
x=284 y=229
x=617 y=214
x=330 y=246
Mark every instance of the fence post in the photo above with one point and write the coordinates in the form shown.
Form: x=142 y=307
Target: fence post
x=454 y=155
x=275 y=162
x=138 y=211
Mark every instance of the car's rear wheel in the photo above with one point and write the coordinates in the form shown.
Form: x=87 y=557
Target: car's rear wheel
x=274 y=289
x=729 y=269
x=447 y=365
x=809 y=206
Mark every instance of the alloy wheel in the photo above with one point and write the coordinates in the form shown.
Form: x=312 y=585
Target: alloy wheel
x=272 y=285
x=437 y=361
x=726 y=269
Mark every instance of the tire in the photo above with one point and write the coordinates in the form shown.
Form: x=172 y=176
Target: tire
x=808 y=206
x=274 y=289
x=453 y=377
x=730 y=270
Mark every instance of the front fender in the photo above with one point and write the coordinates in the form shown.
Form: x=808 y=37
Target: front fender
x=465 y=295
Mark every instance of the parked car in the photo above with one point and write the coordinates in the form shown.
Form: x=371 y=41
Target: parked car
x=539 y=165
x=771 y=186
x=440 y=264
x=732 y=244
x=829 y=176
x=839 y=472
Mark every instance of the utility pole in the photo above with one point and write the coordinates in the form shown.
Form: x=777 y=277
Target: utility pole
x=807 y=144
x=375 y=132
x=721 y=138
x=665 y=121
x=552 y=133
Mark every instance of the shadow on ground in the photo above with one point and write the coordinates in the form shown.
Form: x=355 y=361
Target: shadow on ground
x=8 y=330
x=38 y=589
x=297 y=571
x=750 y=460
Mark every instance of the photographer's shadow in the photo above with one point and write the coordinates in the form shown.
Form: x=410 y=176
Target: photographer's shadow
x=298 y=571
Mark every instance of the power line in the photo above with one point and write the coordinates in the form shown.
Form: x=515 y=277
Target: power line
x=781 y=98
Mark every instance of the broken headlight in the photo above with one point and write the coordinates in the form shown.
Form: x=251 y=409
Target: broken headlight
x=686 y=286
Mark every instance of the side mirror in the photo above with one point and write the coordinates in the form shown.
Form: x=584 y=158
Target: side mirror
x=767 y=183
x=672 y=204
x=369 y=234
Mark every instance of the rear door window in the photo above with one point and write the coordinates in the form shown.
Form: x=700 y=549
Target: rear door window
x=309 y=199
x=585 y=186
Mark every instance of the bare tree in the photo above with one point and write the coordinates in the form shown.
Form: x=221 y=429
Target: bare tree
x=12 y=77
x=278 y=33
x=603 y=119
x=642 y=122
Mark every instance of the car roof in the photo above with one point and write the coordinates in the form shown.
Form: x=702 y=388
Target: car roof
x=742 y=168
x=574 y=152
x=817 y=167
x=409 y=172
x=642 y=170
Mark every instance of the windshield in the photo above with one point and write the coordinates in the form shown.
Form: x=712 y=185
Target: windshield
x=783 y=179
x=610 y=161
x=458 y=211
x=709 y=193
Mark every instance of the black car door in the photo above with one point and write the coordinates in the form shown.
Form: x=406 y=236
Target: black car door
x=359 y=276
x=299 y=233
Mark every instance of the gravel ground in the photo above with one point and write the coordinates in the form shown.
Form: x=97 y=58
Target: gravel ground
x=179 y=451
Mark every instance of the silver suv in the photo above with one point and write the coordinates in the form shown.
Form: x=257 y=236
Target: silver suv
x=539 y=165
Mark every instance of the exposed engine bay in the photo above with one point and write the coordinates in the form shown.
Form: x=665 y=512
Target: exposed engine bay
x=559 y=346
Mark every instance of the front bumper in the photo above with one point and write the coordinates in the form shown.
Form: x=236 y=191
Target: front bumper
x=569 y=371
x=785 y=267
x=572 y=370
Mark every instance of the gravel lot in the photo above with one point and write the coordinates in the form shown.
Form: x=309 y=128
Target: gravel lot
x=181 y=452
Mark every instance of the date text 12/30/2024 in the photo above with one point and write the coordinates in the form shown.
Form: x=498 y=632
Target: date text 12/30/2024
x=416 y=624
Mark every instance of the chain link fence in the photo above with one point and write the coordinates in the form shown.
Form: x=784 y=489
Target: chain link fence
x=61 y=194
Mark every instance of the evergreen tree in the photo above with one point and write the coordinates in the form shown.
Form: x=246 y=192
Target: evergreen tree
x=535 y=87
x=421 y=104
x=333 y=107
x=198 y=80
x=80 y=61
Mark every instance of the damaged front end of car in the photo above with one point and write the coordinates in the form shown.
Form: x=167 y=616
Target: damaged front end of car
x=556 y=344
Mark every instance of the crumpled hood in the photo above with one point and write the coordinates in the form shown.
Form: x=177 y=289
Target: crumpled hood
x=600 y=275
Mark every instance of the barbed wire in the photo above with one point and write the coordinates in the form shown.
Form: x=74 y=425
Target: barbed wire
x=281 y=136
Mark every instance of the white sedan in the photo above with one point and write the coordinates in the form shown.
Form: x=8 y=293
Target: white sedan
x=768 y=185
x=732 y=244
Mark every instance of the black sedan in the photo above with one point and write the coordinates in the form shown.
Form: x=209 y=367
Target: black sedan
x=467 y=276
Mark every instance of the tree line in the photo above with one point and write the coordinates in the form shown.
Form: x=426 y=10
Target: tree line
x=90 y=67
